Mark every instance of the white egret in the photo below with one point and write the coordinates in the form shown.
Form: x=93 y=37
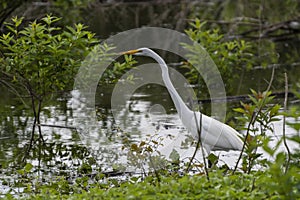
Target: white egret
x=215 y=135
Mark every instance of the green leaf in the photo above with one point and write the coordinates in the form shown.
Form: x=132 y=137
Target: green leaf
x=174 y=156
x=28 y=167
x=253 y=99
x=295 y=138
x=295 y=126
x=213 y=158
x=266 y=146
x=17 y=21
x=274 y=110
x=240 y=110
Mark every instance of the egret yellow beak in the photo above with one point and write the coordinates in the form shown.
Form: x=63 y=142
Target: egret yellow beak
x=130 y=52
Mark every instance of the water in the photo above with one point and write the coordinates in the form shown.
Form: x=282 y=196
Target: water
x=147 y=117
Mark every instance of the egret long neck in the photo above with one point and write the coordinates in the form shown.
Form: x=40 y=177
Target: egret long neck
x=182 y=109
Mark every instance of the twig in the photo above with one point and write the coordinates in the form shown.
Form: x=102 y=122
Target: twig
x=271 y=81
x=199 y=144
x=202 y=148
x=197 y=147
x=252 y=120
x=283 y=127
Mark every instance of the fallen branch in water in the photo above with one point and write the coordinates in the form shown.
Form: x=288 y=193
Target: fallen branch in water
x=57 y=126
x=244 y=97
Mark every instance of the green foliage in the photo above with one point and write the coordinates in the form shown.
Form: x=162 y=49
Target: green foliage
x=71 y=10
x=260 y=23
x=119 y=68
x=261 y=106
x=257 y=185
x=42 y=57
x=259 y=116
x=145 y=153
x=283 y=185
x=56 y=166
x=230 y=57
x=267 y=10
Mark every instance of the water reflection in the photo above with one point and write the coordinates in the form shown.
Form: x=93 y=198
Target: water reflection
x=149 y=115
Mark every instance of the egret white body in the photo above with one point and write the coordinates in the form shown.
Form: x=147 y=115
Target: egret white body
x=215 y=135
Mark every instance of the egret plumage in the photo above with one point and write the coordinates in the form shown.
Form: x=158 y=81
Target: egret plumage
x=215 y=135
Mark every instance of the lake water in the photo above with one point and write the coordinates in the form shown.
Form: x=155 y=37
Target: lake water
x=151 y=114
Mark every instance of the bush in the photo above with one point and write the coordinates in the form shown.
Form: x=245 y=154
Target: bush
x=42 y=58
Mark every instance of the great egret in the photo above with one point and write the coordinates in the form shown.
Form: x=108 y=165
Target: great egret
x=215 y=135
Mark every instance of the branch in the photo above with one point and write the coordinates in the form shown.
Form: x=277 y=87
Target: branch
x=57 y=126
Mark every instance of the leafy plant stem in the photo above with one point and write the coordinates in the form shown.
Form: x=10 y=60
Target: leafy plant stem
x=245 y=142
x=155 y=171
x=283 y=126
x=252 y=121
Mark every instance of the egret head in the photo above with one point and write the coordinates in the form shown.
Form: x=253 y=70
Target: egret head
x=139 y=52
